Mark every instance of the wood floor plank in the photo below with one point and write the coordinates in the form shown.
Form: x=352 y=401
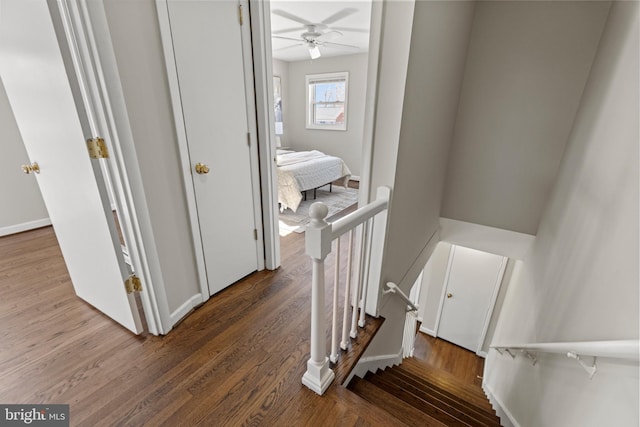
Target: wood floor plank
x=238 y=359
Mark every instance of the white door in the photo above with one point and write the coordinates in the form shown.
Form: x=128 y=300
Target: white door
x=208 y=47
x=33 y=73
x=473 y=281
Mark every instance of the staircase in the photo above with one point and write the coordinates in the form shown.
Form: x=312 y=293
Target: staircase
x=418 y=395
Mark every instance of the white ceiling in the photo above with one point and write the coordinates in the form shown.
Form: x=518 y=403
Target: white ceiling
x=350 y=18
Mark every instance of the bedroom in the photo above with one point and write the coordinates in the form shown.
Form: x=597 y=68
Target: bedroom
x=339 y=33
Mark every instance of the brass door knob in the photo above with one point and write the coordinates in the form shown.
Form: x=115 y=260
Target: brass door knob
x=201 y=168
x=449 y=295
x=31 y=168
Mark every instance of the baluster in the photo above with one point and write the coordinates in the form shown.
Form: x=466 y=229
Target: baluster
x=356 y=292
x=365 y=281
x=318 y=245
x=334 y=321
x=347 y=295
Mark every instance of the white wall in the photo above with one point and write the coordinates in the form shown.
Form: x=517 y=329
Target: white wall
x=345 y=144
x=281 y=69
x=581 y=280
x=136 y=42
x=412 y=136
x=22 y=204
x=432 y=286
x=526 y=68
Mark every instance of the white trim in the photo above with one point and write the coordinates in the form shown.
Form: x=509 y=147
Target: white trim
x=373 y=363
x=25 y=226
x=329 y=77
x=370 y=108
x=506 y=417
x=263 y=80
x=492 y=305
x=178 y=314
x=487 y=239
x=427 y=331
x=252 y=128
x=444 y=290
x=183 y=147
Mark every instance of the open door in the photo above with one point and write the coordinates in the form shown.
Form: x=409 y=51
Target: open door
x=33 y=73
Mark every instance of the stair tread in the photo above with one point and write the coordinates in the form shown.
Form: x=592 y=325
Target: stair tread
x=474 y=402
x=446 y=382
x=459 y=407
x=399 y=409
x=426 y=404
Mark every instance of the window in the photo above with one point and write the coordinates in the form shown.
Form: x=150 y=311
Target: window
x=327 y=101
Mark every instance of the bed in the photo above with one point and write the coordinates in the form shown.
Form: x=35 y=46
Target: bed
x=300 y=171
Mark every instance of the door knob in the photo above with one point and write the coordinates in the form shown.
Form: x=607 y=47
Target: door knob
x=201 y=168
x=31 y=168
x=449 y=295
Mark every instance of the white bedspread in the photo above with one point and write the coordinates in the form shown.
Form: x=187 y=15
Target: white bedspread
x=304 y=170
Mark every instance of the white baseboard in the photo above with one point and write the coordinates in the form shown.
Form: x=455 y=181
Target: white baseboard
x=427 y=331
x=25 y=226
x=185 y=308
x=373 y=363
x=506 y=418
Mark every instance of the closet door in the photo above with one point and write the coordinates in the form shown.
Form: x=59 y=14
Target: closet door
x=212 y=68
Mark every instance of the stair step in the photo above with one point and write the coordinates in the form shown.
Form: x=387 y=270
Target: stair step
x=448 y=383
x=426 y=404
x=348 y=359
x=456 y=399
x=456 y=406
x=401 y=410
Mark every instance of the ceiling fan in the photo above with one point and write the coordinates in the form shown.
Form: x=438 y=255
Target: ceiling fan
x=318 y=34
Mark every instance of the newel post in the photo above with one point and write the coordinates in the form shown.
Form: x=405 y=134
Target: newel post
x=318 y=246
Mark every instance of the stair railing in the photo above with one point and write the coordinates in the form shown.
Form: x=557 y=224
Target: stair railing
x=578 y=350
x=319 y=235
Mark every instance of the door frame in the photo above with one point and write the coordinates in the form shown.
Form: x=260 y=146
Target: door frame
x=263 y=70
x=183 y=146
x=492 y=301
x=107 y=116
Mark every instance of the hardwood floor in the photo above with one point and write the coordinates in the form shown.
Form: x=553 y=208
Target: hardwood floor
x=439 y=354
x=237 y=360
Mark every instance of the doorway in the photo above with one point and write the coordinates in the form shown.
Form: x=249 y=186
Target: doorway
x=320 y=49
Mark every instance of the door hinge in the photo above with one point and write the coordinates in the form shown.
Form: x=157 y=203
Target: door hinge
x=97 y=148
x=133 y=284
x=249 y=139
x=241 y=14
x=255 y=234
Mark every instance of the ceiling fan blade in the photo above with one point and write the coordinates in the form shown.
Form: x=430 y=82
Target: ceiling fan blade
x=286 y=38
x=339 y=45
x=290 y=16
x=289 y=30
x=351 y=30
x=339 y=15
x=289 y=47
x=329 y=35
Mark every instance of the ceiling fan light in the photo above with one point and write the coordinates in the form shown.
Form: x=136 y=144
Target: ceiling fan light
x=314 y=52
